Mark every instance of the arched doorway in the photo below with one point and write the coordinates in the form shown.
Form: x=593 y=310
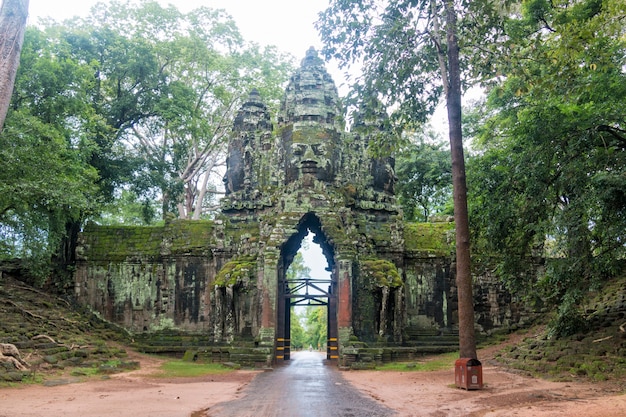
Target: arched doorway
x=314 y=291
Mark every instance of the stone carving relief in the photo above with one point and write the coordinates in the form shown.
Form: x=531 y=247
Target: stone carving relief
x=308 y=148
x=251 y=130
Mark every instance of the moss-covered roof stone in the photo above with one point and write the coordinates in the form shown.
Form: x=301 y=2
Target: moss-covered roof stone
x=429 y=239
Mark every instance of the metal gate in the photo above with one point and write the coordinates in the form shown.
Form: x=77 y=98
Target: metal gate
x=306 y=292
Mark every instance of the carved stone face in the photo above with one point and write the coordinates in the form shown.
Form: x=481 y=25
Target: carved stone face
x=310 y=154
x=235 y=167
x=383 y=174
x=309 y=117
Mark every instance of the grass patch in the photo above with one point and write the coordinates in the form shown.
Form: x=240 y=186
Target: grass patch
x=108 y=367
x=88 y=372
x=434 y=363
x=31 y=378
x=184 y=369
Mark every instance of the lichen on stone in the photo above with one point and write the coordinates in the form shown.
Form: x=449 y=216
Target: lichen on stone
x=238 y=271
x=381 y=273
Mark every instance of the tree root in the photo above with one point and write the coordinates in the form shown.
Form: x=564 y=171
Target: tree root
x=29 y=313
x=9 y=353
x=51 y=340
x=23 y=310
x=41 y=293
x=48 y=338
x=602 y=339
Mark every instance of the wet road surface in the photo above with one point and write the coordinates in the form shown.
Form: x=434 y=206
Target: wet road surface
x=306 y=387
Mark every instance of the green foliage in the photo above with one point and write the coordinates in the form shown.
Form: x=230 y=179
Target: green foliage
x=568 y=321
x=426 y=185
x=352 y=30
x=43 y=184
x=397 y=46
x=175 y=81
x=548 y=179
x=297 y=269
x=381 y=273
x=298 y=337
x=316 y=327
x=236 y=272
x=130 y=209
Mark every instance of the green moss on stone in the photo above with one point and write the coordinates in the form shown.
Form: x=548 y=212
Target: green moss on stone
x=236 y=271
x=381 y=273
x=236 y=232
x=190 y=236
x=434 y=239
x=120 y=242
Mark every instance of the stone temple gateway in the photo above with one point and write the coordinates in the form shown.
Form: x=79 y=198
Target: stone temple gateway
x=220 y=286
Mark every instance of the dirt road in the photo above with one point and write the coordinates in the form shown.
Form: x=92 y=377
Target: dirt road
x=506 y=394
x=324 y=388
x=131 y=394
x=305 y=388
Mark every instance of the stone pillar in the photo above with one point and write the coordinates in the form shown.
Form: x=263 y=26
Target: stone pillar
x=332 y=342
x=268 y=280
x=343 y=269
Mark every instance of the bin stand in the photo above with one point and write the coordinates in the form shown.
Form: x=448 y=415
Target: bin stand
x=468 y=374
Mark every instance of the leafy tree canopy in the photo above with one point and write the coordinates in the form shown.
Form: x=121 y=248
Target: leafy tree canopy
x=549 y=178
x=425 y=188
x=396 y=47
x=118 y=111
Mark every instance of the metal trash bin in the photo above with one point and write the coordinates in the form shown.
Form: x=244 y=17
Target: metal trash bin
x=468 y=374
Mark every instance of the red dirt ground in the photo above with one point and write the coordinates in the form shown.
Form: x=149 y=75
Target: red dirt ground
x=138 y=394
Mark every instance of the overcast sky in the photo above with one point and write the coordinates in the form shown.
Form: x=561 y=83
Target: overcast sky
x=288 y=24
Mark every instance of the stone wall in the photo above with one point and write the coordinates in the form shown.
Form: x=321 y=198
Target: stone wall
x=149 y=278
x=180 y=277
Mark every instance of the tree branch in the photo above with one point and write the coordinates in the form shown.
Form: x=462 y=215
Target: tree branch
x=441 y=58
x=613 y=131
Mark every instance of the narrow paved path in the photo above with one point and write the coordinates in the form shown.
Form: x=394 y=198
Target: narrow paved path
x=306 y=387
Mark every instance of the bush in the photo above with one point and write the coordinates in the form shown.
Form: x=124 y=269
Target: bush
x=568 y=323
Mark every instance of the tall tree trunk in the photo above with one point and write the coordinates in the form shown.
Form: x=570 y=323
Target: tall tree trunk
x=13 y=14
x=64 y=260
x=197 y=211
x=467 y=338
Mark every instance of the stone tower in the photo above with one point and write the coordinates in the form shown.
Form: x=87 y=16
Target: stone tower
x=309 y=175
